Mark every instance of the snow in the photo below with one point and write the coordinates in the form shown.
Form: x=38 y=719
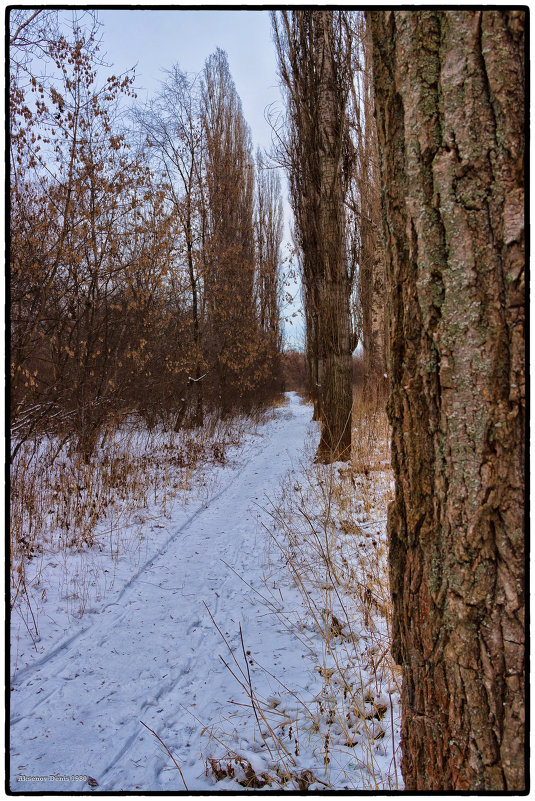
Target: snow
x=177 y=634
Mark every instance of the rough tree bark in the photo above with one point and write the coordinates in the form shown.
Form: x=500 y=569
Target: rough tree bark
x=450 y=112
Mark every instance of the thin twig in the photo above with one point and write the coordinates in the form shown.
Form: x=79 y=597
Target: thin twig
x=251 y=692
x=168 y=751
x=226 y=643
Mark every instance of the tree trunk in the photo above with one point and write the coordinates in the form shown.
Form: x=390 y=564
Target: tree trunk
x=450 y=115
x=333 y=288
x=312 y=353
x=371 y=276
x=335 y=371
x=198 y=415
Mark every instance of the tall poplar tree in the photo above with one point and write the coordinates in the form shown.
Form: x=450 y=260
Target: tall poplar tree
x=229 y=282
x=314 y=51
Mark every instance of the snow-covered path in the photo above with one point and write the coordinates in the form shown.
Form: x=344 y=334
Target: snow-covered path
x=151 y=654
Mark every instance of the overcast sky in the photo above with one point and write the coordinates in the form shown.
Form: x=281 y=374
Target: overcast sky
x=154 y=40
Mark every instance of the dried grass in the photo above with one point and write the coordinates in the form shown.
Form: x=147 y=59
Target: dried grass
x=62 y=504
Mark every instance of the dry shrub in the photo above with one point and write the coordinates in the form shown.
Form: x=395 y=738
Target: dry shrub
x=235 y=767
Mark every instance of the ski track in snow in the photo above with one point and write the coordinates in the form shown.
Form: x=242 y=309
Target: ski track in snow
x=152 y=654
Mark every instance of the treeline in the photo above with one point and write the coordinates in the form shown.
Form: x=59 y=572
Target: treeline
x=145 y=250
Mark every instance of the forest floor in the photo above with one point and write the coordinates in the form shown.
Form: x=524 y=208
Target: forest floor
x=248 y=629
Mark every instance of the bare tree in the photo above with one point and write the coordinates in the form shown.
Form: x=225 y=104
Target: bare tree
x=269 y=231
x=229 y=282
x=364 y=202
x=449 y=89
x=73 y=182
x=314 y=51
x=174 y=139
